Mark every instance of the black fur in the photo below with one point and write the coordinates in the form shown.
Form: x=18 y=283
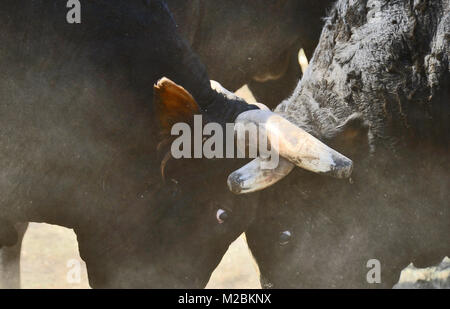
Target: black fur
x=78 y=141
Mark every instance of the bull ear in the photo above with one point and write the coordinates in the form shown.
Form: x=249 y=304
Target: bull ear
x=173 y=104
x=352 y=137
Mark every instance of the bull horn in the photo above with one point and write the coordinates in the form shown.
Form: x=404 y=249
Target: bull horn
x=296 y=145
x=291 y=142
x=252 y=178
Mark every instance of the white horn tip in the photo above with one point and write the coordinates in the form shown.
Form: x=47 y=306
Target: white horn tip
x=253 y=177
x=235 y=183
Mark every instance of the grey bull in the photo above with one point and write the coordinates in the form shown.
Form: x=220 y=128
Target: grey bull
x=378 y=90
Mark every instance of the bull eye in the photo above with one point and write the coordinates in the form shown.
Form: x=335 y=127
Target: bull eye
x=221 y=216
x=285 y=237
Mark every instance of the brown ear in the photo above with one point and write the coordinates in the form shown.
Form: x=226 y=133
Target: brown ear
x=173 y=104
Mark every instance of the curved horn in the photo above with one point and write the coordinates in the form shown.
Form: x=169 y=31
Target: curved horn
x=251 y=177
x=298 y=146
x=292 y=143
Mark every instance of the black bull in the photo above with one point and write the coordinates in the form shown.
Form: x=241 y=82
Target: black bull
x=377 y=89
x=267 y=50
x=80 y=145
x=79 y=137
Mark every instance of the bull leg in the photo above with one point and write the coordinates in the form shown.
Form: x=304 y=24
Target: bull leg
x=10 y=261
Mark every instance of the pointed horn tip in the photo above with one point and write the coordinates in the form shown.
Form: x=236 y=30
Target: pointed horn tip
x=234 y=183
x=343 y=167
